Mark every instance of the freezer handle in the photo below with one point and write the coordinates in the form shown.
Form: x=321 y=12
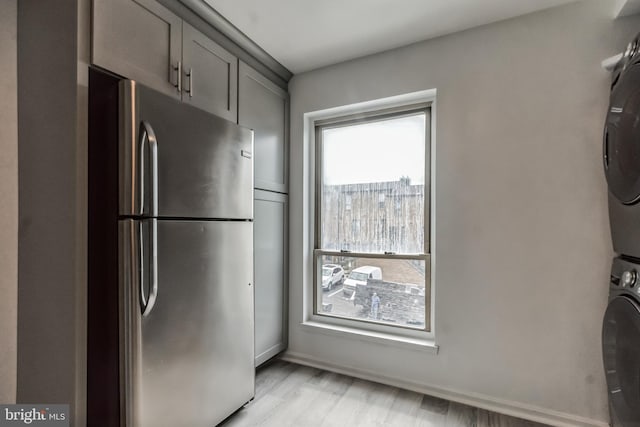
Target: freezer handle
x=147 y=302
x=148 y=135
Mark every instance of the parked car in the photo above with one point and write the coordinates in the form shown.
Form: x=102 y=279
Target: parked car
x=332 y=275
x=359 y=276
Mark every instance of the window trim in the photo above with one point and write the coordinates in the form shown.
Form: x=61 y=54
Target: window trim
x=345 y=115
x=370 y=117
x=362 y=324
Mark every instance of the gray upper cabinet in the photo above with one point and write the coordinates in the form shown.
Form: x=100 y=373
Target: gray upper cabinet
x=139 y=39
x=144 y=41
x=263 y=107
x=210 y=74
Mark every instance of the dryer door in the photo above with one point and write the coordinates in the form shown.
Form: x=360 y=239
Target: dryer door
x=621 y=143
x=621 y=354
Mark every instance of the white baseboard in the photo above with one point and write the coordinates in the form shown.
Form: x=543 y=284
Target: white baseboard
x=515 y=409
x=269 y=353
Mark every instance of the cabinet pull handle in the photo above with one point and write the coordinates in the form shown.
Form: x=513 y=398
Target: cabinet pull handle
x=178 y=69
x=190 y=76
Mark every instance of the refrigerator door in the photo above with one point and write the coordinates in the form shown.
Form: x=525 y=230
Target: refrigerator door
x=198 y=165
x=189 y=360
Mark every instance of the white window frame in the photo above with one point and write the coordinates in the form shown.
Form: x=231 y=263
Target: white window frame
x=355 y=328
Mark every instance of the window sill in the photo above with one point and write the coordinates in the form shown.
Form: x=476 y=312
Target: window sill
x=423 y=345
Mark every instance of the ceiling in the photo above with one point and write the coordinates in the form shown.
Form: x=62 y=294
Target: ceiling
x=307 y=34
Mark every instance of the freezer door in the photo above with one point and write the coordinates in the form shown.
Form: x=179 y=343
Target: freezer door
x=195 y=164
x=189 y=360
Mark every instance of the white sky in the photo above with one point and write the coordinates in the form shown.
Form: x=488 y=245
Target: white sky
x=375 y=152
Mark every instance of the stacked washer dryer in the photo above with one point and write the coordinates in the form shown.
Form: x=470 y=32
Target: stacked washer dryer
x=621 y=325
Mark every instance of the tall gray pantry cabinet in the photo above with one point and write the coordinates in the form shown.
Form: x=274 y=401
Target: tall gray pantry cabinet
x=263 y=107
x=145 y=41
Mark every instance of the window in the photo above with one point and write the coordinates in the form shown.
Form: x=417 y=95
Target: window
x=381 y=200
x=383 y=252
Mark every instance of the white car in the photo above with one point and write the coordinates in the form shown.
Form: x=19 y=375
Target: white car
x=360 y=276
x=332 y=275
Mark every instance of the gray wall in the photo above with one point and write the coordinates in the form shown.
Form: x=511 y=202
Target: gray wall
x=9 y=197
x=523 y=245
x=48 y=331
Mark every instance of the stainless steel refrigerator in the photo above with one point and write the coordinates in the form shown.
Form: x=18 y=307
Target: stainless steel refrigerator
x=185 y=263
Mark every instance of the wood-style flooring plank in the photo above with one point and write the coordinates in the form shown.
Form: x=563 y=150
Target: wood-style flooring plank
x=329 y=389
x=491 y=419
x=258 y=414
x=290 y=395
x=314 y=400
x=432 y=412
x=345 y=411
x=378 y=404
x=272 y=375
x=460 y=415
x=272 y=402
x=404 y=410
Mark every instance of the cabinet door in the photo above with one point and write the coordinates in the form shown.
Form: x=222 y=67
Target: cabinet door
x=210 y=79
x=264 y=107
x=270 y=273
x=138 y=39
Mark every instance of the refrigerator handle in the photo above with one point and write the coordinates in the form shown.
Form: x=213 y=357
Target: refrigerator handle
x=148 y=135
x=147 y=303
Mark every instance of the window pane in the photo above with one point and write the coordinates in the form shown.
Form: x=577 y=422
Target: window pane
x=379 y=290
x=373 y=177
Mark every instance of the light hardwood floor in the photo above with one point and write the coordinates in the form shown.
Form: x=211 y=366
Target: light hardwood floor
x=293 y=395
